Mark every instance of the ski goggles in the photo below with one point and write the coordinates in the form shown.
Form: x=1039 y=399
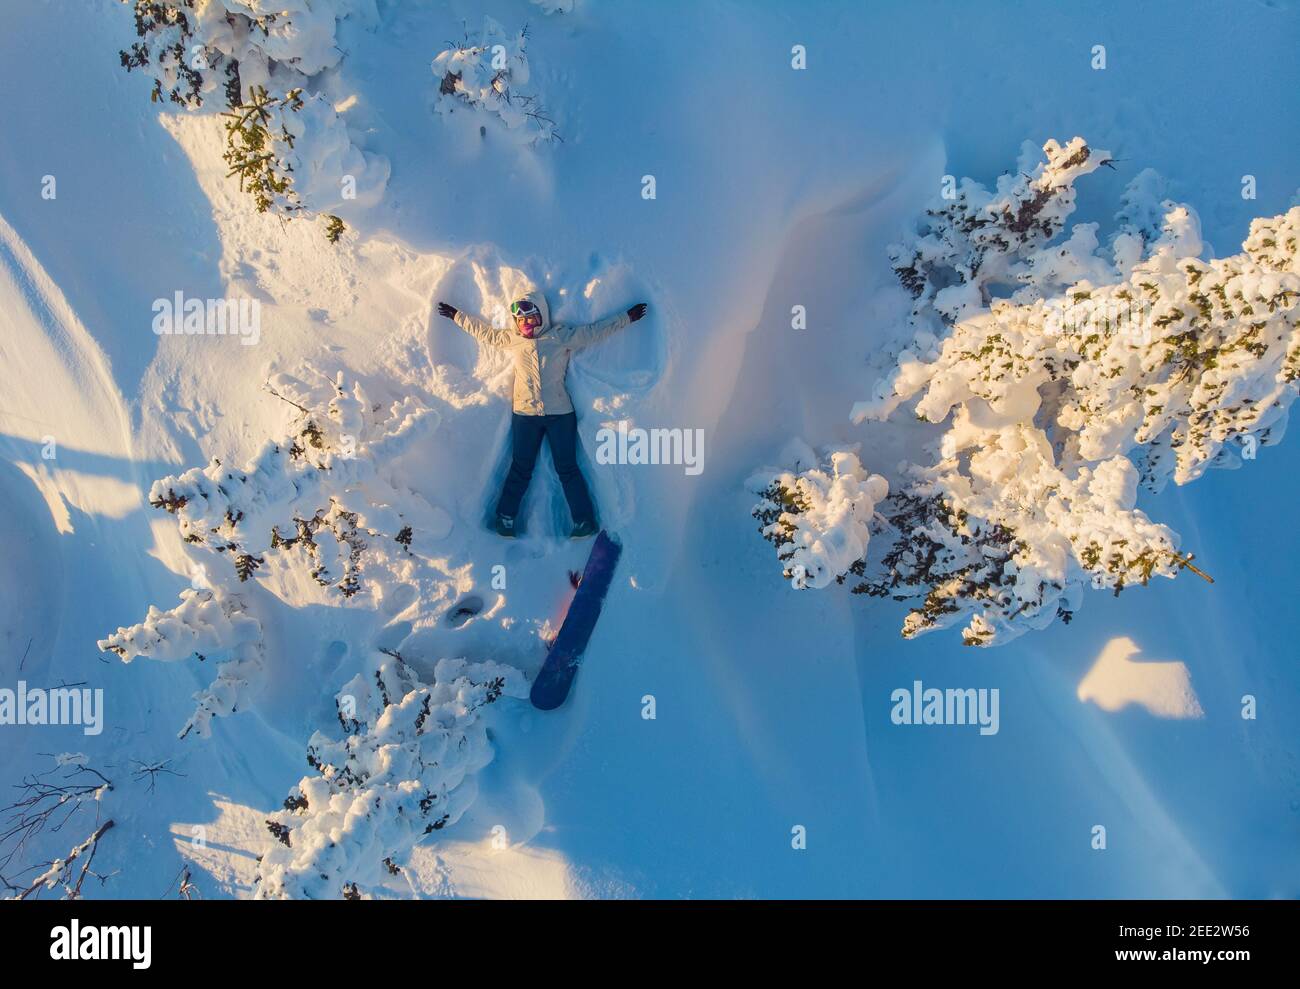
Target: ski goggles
x=524 y=307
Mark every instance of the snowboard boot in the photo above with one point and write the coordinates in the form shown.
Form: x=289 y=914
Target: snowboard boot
x=505 y=526
x=584 y=529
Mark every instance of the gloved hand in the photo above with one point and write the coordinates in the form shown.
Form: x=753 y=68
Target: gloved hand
x=636 y=312
x=446 y=310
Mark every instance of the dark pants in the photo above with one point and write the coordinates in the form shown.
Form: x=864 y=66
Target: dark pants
x=561 y=432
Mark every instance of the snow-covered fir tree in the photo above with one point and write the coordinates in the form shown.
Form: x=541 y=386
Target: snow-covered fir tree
x=198 y=49
x=324 y=501
x=402 y=770
x=972 y=240
x=1100 y=368
x=819 y=518
x=285 y=142
x=209 y=625
x=322 y=497
x=487 y=81
x=259 y=143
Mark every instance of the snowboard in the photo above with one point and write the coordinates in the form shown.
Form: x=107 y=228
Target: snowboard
x=556 y=675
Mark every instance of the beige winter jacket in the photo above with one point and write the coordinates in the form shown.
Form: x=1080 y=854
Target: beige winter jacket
x=542 y=361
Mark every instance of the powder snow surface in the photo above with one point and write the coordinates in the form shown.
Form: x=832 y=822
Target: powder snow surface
x=774 y=188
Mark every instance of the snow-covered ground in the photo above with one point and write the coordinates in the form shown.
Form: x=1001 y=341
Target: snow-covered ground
x=774 y=187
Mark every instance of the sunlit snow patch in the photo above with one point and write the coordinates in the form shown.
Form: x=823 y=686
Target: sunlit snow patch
x=1115 y=681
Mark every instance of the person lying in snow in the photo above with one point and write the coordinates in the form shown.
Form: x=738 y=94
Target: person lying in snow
x=541 y=403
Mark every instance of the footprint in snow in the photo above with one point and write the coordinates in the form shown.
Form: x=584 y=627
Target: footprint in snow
x=463 y=610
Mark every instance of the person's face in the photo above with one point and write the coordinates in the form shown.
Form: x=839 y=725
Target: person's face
x=529 y=324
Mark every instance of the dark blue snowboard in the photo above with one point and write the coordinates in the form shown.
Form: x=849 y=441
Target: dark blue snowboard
x=556 y=675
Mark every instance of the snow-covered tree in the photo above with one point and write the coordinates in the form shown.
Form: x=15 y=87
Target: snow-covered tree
x=325 y=501
x=288 y=146
x=209 y=624
x=819 y=518
x=327 y=497
x=1099 y=367
x=1190 y=360
x=185 y=72
x=486 y=80
x=1011 y=542
x=259 y=145
x=402 y=770
x=196 y=47
x=977 y=240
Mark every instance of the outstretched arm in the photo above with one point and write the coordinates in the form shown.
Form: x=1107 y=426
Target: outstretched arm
x=584 y=336
x=491 y=335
